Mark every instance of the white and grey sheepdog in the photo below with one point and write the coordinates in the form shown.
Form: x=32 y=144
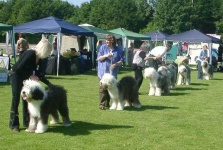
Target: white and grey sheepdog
x=159 y=80
x=184 y=75
x=43 y=102
x=122 y=93
x=207 y=69
x=172 y=71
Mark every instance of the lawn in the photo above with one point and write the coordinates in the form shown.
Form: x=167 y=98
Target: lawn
x=191 y=117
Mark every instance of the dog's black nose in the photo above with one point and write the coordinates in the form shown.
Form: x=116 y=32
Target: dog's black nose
x=23 y=92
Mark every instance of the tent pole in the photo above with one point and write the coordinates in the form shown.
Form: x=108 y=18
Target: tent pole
x=59 y=41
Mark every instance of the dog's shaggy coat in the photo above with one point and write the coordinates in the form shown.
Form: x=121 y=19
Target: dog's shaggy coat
x=42 y=103
x=184 y=75
x=172 y=74
x=207 y=69
x=125 y=90
x=159 y=80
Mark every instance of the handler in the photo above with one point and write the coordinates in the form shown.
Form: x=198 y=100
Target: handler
x=109 y=61
x=24 y=69
x=156 y=55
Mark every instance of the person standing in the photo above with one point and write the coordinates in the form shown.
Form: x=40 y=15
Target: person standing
x=25 y=68
x=156 y=56
x=220 y=50
x=138 y=64
x=130 y=53
x=109 y=61
x=203 y=55
x=22 y=44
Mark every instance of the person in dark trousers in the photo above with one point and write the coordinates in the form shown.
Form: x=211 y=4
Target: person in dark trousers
x=139 y=63
x=25 y=68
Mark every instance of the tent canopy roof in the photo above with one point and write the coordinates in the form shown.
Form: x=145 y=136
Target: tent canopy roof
x=51 y=25
x=193 y=36
x=129 y=34
x=100 y=33
x=157 y=35
x=5 y=27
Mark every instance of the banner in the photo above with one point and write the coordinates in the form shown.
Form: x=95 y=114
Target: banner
x=4 y=62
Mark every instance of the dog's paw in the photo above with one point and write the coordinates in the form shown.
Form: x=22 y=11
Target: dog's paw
x=67 y=124
x=137 y=105
x=54 y=121
x=127 y=104
x=119 y=108
x=112 y=108
x=27 y=130
x=40 y=131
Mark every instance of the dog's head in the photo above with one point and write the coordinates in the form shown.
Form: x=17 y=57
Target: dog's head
x=204 y=64
x=108 y=81
x=149 y=72
x=32 y=90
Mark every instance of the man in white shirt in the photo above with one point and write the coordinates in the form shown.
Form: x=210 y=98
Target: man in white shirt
x=156 y=55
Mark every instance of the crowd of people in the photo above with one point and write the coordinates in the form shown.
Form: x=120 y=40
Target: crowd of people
x=110 y=58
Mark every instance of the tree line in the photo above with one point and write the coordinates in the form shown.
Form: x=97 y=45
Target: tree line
x=142 y=16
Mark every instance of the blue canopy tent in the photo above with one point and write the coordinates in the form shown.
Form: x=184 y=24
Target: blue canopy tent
x=194 y=36
x=52 y=25
x=157 y=35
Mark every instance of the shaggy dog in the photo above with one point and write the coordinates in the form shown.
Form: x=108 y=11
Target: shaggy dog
x=207 y=69
x=159 y=80
x=172 y=71
x=125 y=90
x=42 y=103
x=184 y=77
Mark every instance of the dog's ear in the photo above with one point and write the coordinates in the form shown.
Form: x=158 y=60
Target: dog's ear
x=37 y=94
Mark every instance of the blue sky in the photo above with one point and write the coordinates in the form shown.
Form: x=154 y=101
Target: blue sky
x=77 y=2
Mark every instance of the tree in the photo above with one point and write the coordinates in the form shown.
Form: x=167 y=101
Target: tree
x=110 y=14
x=172 y=16
x=203 y=15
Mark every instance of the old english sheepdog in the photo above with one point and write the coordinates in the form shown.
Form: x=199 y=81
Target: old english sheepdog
x=159 y=80
x=184 y=75
x=207 y=69
x=43 y=102
x=122 y=93
x=172 y=74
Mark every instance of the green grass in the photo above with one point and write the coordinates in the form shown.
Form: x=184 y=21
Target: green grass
x=189 y=118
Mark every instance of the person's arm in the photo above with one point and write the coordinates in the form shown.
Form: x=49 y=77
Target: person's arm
x=18 y=45
x=103 y=57
x=151 y=58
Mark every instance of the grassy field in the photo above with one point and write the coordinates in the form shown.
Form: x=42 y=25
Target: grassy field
x=190 y=118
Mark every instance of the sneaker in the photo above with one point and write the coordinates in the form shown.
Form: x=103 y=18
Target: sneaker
x=16 y=129
x=102 y=107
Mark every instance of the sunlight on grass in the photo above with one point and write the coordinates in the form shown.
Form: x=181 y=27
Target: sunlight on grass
x=189 y=118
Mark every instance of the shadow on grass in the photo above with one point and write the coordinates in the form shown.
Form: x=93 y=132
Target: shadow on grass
x=163 y=94
x=146 y=107
x=205 y=84
x=216 y=79
x=83 y=128
x=188 y=88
